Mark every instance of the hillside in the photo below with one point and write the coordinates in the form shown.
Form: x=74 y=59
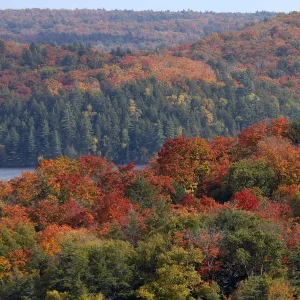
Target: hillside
x=73 y=100
x=109 y=29
x=208 y=219
x=269 y=50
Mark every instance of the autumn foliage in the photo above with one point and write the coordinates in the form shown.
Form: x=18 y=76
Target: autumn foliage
x=179 y=217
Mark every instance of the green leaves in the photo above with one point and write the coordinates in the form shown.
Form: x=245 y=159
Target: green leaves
x=250 y=173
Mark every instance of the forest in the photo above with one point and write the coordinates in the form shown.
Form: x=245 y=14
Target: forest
x=144 y=30
x=208 y=102
x=74 y=100
x=208 y=219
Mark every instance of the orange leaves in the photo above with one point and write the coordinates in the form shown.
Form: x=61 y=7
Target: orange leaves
x=14 y=215
x=18 y=258
x=64 y=176
x=278 y=127
x=100 y=171
x=204 y=205
x=185 y=160
x=48 y=238
x=222 y=148
x=25 y=188
x=5 y=189
x=284 y=159
x=95 y=166
x=53 y=169
x=166 y=68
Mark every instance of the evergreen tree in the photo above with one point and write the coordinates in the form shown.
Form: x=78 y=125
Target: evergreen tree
x=31 y=146
x=160 y=138
x=56 y=145
x=86 y=135
x=13 y=139
x=45 y=140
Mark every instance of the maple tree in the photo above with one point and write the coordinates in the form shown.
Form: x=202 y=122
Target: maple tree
x=185 y=160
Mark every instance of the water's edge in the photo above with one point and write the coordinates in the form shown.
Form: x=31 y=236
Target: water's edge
x=10 y=173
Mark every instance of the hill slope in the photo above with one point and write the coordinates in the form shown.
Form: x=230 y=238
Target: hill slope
x=72 y=100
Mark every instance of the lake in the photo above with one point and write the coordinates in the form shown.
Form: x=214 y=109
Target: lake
x=9 y=173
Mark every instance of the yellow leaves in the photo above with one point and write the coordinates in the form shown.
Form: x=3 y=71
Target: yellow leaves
x=177 y=277
x=181 y=99
x=280 y=290
x=179 y=130
x=91 y=297
x=53 y=85
x=5 y=268
x=89 y=112
x=208 y=115
x=132 y=106
x=207 y=107
x=147 y=91
x=92 y=87
x=223 y=102
x=55 y=295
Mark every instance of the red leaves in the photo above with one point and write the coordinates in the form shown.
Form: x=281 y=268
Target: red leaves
x=163 y=184
x=246 y=200
x=75 y=215
x=105 y=175
x=111 y=208
x=69 y=213
x=248 y=139
x=48 y=212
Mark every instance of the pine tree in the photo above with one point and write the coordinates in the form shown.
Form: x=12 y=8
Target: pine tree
x=56 y=145
x=170 y=130
x=45 y=140
x=160 y=138
x=86 y=135
x=12 y=140
x=31 y=146
x=68 y=126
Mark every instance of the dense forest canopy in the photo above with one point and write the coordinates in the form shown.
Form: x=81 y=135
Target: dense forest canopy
x=208 y=219
x=108 y=29
x=214 y=214
x=72 y=100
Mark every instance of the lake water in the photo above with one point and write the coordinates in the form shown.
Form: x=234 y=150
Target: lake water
x=9 y=173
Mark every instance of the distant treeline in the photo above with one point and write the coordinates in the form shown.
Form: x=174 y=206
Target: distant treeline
x=109 y=29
